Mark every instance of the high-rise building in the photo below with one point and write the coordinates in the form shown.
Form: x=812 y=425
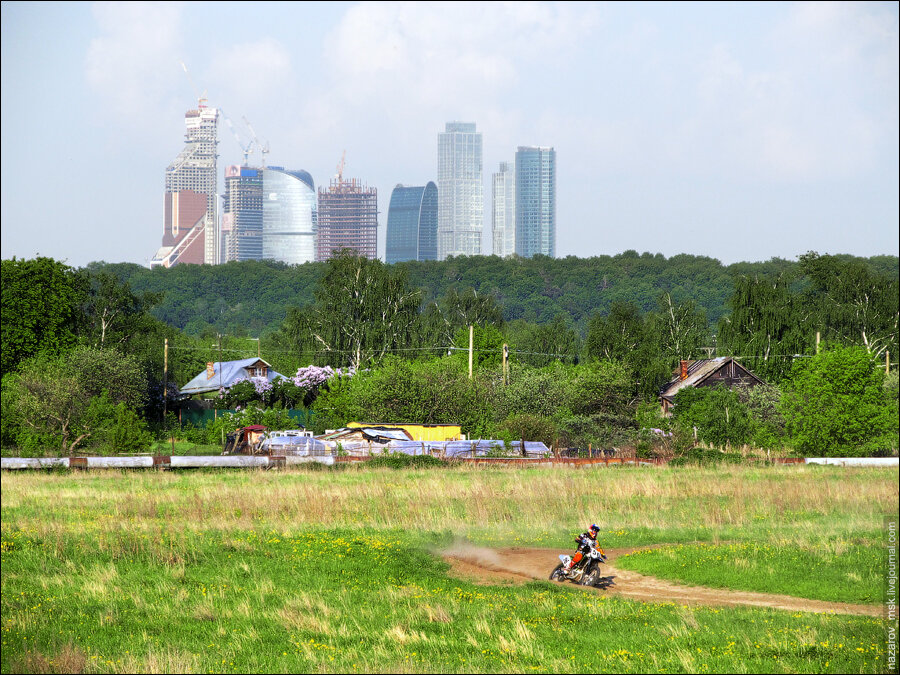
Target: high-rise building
x=269 y=213
x=289 y=216
x=348 y=218
x=242 y=213
x=412 y=223
x=190 y=183
x=503 y=209
x=460 y=190
x=535 y=201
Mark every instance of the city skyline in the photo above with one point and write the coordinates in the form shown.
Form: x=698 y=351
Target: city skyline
x=740 y=132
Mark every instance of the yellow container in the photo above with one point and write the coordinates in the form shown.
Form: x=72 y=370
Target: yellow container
x=420 y=432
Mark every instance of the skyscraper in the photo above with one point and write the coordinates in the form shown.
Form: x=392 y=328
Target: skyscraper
x=460 y=190
x=348 y=218
x=192 y=174
x=289 y=216
x=269 y=213
x=503 y=210
x=412 y=224
x=535 y=201
x=242 y=219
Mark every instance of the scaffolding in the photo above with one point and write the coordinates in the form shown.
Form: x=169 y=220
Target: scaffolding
x=347 y=218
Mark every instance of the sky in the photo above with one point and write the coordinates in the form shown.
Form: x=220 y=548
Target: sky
x=736 y=131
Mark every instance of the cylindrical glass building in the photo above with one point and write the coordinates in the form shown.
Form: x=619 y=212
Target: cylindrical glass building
x=289 y=216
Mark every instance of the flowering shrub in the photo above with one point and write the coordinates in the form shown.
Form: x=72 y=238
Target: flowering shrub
x=244 y=391
x=290 y=392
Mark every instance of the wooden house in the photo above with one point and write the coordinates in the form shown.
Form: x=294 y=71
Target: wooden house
x=723 y=371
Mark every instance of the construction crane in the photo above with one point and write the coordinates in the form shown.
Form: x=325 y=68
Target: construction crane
x=201 y=98
x=263 y=149
x=246 y=149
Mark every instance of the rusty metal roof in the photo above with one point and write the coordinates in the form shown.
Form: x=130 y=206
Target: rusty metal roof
x=697 y=372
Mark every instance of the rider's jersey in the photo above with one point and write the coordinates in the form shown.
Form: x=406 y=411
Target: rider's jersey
x=585 y=541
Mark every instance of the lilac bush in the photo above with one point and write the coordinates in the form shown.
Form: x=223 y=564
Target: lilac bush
x=289 y=392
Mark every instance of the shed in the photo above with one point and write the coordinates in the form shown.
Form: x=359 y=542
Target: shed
x=721 y=371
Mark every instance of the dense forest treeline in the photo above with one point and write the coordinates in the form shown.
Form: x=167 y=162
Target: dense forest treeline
x=252 y=298
x=589 y=345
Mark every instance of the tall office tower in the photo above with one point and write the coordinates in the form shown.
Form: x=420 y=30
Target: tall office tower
x=348 y=218
x=289 y=216
x=242 y=213
x=503 y=209
x=535 y=201
x=192 y=173
x=460 y=191
x=412 y=223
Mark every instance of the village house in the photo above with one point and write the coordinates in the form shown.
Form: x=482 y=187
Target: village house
x=721 y=371
x=219 y=374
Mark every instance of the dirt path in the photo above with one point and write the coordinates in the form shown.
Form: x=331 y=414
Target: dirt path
x=517 y=565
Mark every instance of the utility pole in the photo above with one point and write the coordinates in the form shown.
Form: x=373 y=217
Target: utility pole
x=471 y=348
x=165 y=379
x=505 y=364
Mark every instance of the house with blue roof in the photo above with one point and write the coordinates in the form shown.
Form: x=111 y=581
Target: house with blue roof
x=220 y=374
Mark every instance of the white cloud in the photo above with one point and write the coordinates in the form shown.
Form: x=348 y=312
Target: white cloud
x=252 y=71
x=819 y=103
x=438 y=55
x=131 y=64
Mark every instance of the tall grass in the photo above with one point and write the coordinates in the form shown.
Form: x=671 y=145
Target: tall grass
x=798 y=505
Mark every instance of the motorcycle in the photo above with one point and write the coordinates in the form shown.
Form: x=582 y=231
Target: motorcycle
x=585 y=572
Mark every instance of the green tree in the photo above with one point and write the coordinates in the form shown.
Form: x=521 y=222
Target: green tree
x=363 y=310
x=541 y=344
x=835 y=404
x=66 y=399
x=41 y=303
x=112 y=313
x=768 y=324
x=853 y=304
x=718 y=414
x=681 y=327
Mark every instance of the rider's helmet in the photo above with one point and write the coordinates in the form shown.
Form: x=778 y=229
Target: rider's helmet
x=593 y=530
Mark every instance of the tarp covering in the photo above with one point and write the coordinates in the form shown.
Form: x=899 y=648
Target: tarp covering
x=473 y=448
x=294 y=445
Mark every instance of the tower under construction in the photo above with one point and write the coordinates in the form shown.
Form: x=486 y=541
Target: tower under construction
x=190 y=227
x=348 y=218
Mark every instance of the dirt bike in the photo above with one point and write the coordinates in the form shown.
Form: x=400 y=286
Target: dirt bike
x=585 y=572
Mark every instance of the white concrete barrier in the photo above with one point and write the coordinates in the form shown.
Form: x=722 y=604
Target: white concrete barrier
x=855 y=461
x=33 y=462
x=119 y=462
x=196 y=462
x=296 y=459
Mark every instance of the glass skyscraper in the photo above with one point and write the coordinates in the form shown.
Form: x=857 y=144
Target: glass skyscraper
x=460 y=190
x=412 y=223
x=269 y=213
x=535 y=201
x=242 y=221
x=503 y=210
x=288 y=216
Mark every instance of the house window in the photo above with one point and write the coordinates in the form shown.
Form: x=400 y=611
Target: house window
x=257 y=371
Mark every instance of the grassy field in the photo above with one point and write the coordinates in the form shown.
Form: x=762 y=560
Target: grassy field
x=334 y=570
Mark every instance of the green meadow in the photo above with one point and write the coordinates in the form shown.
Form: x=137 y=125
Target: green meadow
x=339 y=570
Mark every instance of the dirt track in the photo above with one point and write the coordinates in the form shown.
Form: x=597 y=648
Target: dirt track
x=518 y=565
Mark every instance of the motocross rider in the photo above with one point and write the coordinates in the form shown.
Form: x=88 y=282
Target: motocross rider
x=585 y=541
